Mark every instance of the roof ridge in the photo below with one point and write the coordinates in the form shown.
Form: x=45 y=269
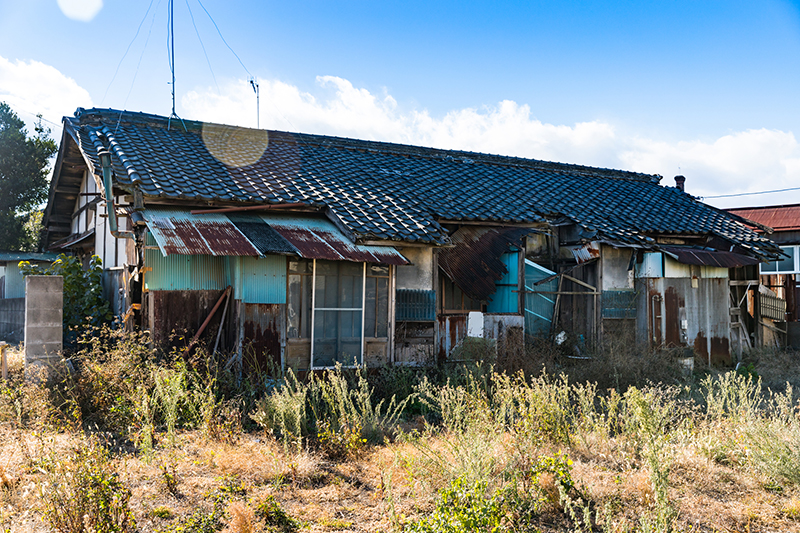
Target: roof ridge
x=348 y=143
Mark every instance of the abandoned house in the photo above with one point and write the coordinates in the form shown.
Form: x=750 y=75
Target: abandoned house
x=779 y=277
x=310 y=250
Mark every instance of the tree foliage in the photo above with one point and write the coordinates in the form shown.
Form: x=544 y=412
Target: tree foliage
x=23 y=179
x=84 y=305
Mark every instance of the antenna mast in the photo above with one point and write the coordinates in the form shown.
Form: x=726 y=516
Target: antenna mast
x=254 y=84
x=172 y=51
x=172 y=62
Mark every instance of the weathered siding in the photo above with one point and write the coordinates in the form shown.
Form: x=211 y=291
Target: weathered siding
x=260 y=280
x=12 y=319
x=689 y=313
x=264 y=335
x=184 y=272
x=182 y=313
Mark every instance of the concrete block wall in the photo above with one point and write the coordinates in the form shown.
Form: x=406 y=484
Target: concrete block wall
x=44 y=310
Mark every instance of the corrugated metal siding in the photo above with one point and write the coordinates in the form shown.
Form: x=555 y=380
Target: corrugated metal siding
x=184 y=272
x=505 y=299
x=15 y=281
x=263 y=280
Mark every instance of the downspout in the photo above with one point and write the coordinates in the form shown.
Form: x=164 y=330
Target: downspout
x=105 y=164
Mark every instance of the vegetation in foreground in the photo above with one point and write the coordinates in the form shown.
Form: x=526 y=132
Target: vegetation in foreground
x=133 y=441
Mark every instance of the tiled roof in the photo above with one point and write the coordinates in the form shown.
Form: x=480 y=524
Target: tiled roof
x=777 y=217
x=389 y=191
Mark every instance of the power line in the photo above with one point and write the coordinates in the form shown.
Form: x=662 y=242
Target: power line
x=141 y=56
x=191 y=15
x=752 y=193
x=223 y=38
x=126 y=52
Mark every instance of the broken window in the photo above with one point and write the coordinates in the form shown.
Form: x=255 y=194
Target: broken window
x=350 y=301
x=453 y=298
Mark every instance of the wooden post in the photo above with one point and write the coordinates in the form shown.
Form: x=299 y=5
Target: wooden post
x=4 y=363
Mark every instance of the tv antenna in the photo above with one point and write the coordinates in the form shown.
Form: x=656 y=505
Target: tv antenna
x=254 y=85
x=172 y=62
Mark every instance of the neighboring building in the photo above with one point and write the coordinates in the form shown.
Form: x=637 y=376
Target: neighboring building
x=343 y=250
x=12 y=292
x=781 y=223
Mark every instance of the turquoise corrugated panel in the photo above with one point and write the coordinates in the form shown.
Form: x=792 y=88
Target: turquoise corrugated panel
x=15 y=281
x=505 y=299
x=184 y=272
x=263 y=279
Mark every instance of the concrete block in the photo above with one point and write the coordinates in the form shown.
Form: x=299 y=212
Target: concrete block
x=44 y=308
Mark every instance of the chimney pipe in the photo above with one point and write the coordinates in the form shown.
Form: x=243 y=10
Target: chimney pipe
x=679 y=182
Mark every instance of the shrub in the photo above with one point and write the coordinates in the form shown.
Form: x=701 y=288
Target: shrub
x=83 y=493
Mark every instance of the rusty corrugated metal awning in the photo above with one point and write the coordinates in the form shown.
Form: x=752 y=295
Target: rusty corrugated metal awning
x=319 y=238
x=715 y=258
x=177 y=231
x=474 y=262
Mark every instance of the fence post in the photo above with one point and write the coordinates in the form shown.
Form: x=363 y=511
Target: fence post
x=3 y=360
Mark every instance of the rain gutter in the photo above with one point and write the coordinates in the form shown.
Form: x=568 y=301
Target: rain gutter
x=105 y=164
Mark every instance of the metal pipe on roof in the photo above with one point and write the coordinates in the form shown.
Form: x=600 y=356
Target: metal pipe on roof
x=247 y=208
x=105 y=164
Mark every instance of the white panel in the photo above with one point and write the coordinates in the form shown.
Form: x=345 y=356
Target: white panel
x=713 y=272
x=674 y=269
x=651 y=266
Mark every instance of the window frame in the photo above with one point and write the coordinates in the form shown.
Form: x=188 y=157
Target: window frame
x=795 y=249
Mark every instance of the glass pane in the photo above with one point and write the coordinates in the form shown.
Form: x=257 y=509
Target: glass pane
x=378 y=270
x=294 y=307
x=369 y=308
x=302 y=266
x=337 y=338
x=339 y=285
x=786 y=264
x=769 y=267
x=382 y=308
x=299 y=307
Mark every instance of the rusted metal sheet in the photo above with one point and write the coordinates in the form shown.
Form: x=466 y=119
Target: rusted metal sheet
x=317 y=238
x=716 y=258
x=264 y=336
x=177 y=231
x=474 y=262
x=672 y=324
x=175 y=316
x=585 y=252
x=452 y=328
x=777 y=217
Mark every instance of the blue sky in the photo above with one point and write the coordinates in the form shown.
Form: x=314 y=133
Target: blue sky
x=707 y=89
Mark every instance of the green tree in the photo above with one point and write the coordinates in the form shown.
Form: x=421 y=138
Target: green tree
x=23 y=179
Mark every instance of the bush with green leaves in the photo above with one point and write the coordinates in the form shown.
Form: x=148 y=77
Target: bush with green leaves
x=82 y=493
x=84 y=305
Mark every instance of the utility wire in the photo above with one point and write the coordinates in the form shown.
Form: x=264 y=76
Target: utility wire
x=191 y=15
x=752 y=193
x=223 y=38
x=126 y=52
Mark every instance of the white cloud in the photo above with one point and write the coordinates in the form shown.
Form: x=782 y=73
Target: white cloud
x=31 y=87
x=82 y=10
x=744 y=161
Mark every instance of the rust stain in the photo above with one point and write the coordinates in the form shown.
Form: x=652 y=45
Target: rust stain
x=319 y=243
x=177 y=315
x=672 y=336
x=720 y=351
x=701 y=347
x=262 y=337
